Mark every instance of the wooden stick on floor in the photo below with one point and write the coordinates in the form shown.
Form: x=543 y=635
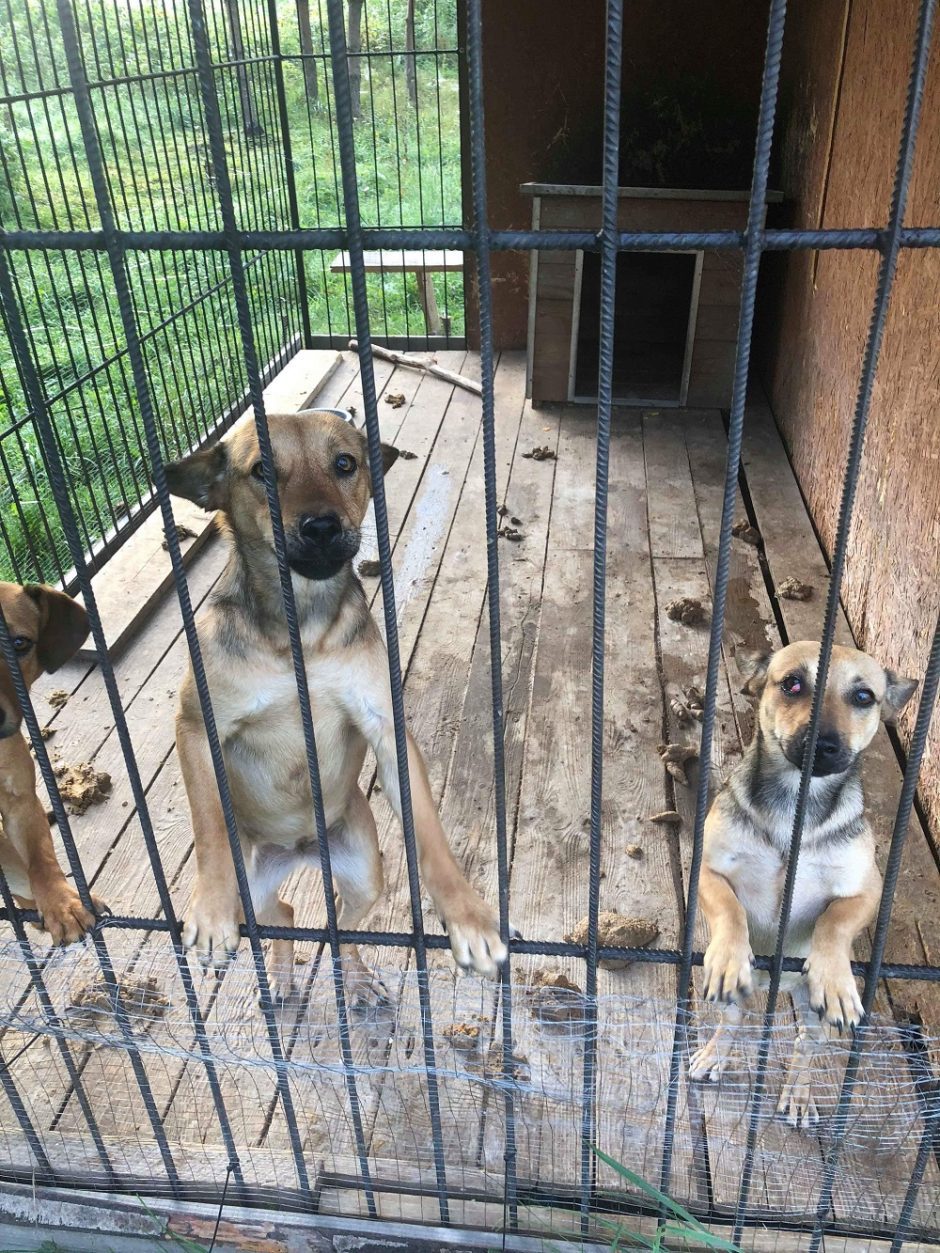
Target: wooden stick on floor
x=430 y=367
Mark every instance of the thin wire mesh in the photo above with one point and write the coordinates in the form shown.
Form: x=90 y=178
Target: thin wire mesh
x=632 y=1036
x=140 y=68
x=145 y=99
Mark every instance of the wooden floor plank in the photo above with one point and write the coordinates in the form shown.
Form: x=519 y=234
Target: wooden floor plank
x=549 y=883
x=673 y=521
x=415 y=424
x=434 y=694
x=749 y=615
x=698 y=443
x=113 y=850
x=464 y=737
x=792 y=549
x=665 y=501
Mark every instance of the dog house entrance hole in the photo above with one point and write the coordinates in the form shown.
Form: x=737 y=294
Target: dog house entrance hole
x=654 y=325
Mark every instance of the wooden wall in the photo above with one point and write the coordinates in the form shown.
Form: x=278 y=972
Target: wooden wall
x=543 y=83
x=846 y=66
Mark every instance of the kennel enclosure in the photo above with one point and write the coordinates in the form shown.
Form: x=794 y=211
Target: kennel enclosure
x=526 y=664
x=676 y=313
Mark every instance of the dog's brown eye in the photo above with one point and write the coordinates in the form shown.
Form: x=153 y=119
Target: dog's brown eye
x=792 y=685
x=21 y=644
x=345 y=464
x=257 y=471
x=864 y=698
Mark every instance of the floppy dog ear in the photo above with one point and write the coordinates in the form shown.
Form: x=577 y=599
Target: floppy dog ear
x=390 y=454
x=898 y=692
x=752 y=666
x=201 y=478
x=63 y=626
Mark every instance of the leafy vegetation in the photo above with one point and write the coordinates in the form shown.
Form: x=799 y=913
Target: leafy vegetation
x=139 y=59
x=675 y=1227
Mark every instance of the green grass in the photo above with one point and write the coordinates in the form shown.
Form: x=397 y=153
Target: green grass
x=161 y=177
x=677 y=1230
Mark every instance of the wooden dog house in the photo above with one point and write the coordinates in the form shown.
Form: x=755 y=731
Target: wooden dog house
x=676 y=312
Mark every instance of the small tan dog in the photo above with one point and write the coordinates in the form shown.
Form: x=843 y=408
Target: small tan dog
x=747 y=840
x=324 y=488
x=47 y=628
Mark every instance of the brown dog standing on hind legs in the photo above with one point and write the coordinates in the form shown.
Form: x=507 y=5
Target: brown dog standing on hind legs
x=747 y=840
x=47 y=628
x=324 y=489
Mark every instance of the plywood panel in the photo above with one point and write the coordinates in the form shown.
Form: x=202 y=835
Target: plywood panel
x=891 y=591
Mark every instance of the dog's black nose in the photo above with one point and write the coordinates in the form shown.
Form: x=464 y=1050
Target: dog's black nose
x=321 y=528
x=828 y=745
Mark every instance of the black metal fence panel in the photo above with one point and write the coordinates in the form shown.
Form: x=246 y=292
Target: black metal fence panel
x=174 y=272
x=277 y=112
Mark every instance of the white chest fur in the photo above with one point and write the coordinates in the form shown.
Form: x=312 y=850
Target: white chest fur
x=756 y=871
x=266 y=754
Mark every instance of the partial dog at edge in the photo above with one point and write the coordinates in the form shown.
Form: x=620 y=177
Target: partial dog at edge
x=747 y=839
x=324 y=489
x=47 y=629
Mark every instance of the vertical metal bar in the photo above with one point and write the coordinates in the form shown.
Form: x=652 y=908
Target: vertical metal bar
x=36 y=979
x=12 y=1094
x=398 y=166
x=487 y=374
x=926 y=1150
x=361 y=305
x=93 y=154
x=41 y=571
x=236 y=264
x=753 y=244
x=159 y=163
x=60 y=493
x=608 y=241
x=902 y=820
x=890 y=252
x=288 y=157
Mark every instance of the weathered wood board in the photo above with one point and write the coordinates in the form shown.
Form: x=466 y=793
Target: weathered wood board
x=666 y=476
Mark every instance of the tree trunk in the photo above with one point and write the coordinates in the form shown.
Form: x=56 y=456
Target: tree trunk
x=252 y=126
x=353 y=48
x=311 y=85
x=411 y=68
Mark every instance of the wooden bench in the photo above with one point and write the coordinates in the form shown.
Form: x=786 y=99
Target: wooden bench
x=421 y=263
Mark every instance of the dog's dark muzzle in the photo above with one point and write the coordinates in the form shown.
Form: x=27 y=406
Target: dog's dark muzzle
x=831 y=757
x=321 y=546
